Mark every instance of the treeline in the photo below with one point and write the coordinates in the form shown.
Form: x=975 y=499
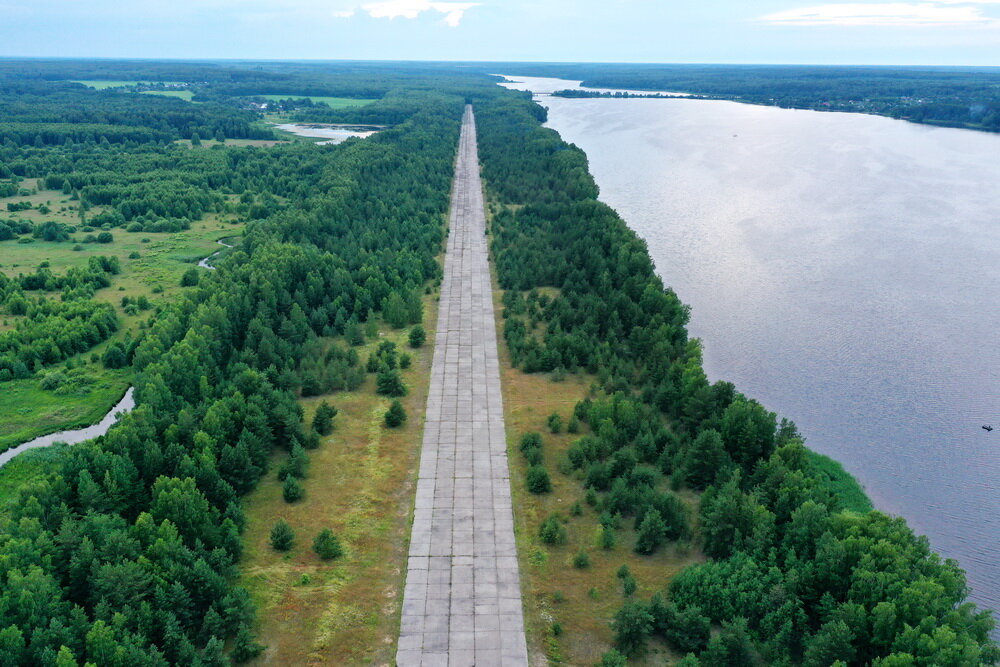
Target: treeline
x=579 y=93
x=953 y=96
x=127 y=554
x=40 y=112
x=792 y=578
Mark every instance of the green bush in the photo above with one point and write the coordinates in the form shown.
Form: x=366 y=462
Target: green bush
x=388 y=383
x=282 y=536
x=327 y=545
x=395 y=416
x=552 y=531
x=417 y=336
x=190 y=278
x=292 y=490
x=555 y=423
x=323 y=419
x=538 y=479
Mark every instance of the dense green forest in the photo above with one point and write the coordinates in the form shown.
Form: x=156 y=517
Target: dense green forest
x=950 y=96
x=792 y=577
x=126 y=551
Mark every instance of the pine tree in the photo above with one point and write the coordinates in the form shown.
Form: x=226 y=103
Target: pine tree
x=417 y=336
x=395 y=416
x=282 y=536
x=292 y=490
x=327 y=545
x=652 y=533
x=388 y=383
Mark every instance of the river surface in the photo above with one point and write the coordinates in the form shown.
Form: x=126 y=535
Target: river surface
x=125 y=405
x=843 y=269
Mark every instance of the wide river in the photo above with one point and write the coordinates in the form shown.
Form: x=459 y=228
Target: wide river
x=843 y=269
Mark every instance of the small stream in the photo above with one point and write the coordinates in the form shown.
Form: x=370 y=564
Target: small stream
x=124 y=406
x=207 y=262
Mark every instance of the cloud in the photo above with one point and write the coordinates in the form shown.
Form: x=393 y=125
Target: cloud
x=411 y=9
x=933 y=13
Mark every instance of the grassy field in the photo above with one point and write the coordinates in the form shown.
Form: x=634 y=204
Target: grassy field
x=27 y=411
x=185 y=95
x=163 y=257
x=332 y=102
x=361 y=485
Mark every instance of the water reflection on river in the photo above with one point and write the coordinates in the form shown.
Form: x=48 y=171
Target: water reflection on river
x=844 y=269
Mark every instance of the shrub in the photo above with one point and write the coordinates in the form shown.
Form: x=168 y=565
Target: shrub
x=404 y=361
x=629 y=585
x=573 y=425
x=417 y=336
x=632 y=625
x=530 y=440
x=538 y=479
x=115 y=356
x=652 y=533
x=581 y=560
x=388 y=383
x=327 y=545
x=552 y=531
x=245 y=647
x=555 y=423
x=282 y=536
x=613 y=659
x=395 y=416
x=533 y=455
x=296 y=464
x=292 y=490
x=607 y=538
x=190 y=278
x=323 y=419
x=52 y=381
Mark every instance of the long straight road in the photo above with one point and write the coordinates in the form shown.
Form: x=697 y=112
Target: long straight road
x=462 y=601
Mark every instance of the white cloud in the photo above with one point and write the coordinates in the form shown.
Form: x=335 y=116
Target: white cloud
x=411 y=9
x=933 y=13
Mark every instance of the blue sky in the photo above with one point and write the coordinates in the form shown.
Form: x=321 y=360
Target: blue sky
x=942 y=32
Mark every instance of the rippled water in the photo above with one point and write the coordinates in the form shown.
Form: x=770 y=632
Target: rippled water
x=125 y=405
x=843 y=269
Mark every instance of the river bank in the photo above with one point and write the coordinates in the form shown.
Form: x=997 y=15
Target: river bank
x=840 y=269
x=74 y=436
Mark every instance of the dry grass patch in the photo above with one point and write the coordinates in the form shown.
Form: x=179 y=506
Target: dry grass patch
x=360 y=484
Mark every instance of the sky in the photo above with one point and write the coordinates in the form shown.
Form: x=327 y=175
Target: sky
x=879 y=32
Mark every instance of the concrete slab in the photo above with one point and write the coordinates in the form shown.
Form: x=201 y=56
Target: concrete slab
x=462 y=600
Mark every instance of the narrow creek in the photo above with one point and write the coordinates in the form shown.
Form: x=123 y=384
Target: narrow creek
x=76 y=436
x=207 y=262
